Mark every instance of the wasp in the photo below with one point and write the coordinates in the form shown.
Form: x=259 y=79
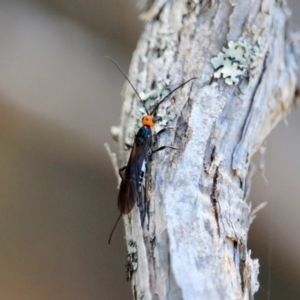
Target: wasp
x=133 y=173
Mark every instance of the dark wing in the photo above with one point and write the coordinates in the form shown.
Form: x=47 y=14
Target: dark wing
x=127 y=195
x=129 y=188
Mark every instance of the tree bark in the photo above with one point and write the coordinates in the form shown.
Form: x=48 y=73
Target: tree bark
x=193 y=243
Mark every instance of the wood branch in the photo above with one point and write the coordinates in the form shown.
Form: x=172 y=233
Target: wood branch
x=193 y=243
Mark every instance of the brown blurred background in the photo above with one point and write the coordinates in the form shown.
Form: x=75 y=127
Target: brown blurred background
x=58 y=98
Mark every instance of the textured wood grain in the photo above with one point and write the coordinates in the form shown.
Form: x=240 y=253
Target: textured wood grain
x=194 y=243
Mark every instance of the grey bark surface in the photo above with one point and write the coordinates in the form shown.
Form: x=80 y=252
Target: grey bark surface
x=193 y=244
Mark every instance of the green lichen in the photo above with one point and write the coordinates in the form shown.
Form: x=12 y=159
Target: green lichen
x=234 y=63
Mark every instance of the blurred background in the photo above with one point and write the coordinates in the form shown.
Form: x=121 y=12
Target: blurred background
x=58 y=98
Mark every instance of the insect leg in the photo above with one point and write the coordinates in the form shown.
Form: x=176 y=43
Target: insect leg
x=165 y=128
x=128 y=146
x=164 y=147
x=161 y=131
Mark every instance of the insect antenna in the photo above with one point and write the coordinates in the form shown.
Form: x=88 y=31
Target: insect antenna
x=129 y=82
x=111 y=234
x=157 y=105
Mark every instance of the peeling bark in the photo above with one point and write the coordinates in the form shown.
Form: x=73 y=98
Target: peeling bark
x=193 y=244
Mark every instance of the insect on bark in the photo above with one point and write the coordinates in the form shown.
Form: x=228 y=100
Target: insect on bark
x=132 y=174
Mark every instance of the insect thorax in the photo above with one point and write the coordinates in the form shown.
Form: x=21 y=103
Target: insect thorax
x=143 y=135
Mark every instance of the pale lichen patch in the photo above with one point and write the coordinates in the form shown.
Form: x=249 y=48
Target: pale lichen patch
x=132 y=259
x=235 y=62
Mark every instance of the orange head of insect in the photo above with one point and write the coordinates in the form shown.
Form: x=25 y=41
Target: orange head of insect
x=149 y=120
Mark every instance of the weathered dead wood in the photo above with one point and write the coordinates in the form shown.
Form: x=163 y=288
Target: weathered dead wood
x=194 y=242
